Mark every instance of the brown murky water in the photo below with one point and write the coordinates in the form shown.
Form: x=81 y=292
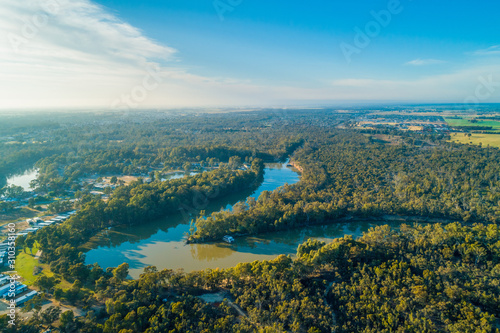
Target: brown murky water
x=161 y=243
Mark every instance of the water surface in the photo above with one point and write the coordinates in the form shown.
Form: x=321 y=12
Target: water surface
x=23 y=179
x=162 y=242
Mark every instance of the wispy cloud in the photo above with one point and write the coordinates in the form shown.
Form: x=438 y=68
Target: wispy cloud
x=493 y=50
x=77 y=25
x=424 y=62
x=70 y=52
x=63 y=53
x=76 y=53
x=455 y=86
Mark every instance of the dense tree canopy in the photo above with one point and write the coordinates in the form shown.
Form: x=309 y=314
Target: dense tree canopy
x=421 y=278
x=430 y=278
x=348 y=173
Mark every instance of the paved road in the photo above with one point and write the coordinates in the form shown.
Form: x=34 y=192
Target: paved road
x=78 y=312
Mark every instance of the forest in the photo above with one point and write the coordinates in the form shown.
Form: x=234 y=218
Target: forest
x=133 y=204
x=347 y=173
x=421 y=278
x=433 y=278
x=71 y=146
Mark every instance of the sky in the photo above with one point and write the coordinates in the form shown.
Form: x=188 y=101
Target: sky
x=123 y=54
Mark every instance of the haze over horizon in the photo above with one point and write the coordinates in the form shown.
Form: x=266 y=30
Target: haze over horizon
x=120 y=54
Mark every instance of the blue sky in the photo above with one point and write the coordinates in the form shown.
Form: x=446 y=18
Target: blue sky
x=267 y=53
x=301 y=41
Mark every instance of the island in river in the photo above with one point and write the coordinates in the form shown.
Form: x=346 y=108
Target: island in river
x=162 y=243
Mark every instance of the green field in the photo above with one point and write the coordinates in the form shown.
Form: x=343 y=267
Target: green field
x=465 y=122
x=25 y=264
x=492 y=140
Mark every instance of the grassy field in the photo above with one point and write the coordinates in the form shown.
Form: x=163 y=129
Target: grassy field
x=465 y=122
x=18 y=214
x=485 y=139
x=25 y=264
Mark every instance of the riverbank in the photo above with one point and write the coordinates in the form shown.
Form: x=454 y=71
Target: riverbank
x=351 y=218
x=296 y=165
x=399 y=218
x=146 y=244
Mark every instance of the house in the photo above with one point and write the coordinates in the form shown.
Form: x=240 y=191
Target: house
x=61 y=218
x=4 y=279
x=5 y=288
x=4 y=259
x=23 y=299
x=34 y=222
x=228 y=239
x=20 y=288
x=30 y=230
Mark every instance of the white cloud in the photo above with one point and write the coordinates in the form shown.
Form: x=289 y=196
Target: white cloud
x=69 y=53
x=493 y=50
x=424 y=62
x=79 y=26
x=457 y=86
x=77 y=54
x=73 y=53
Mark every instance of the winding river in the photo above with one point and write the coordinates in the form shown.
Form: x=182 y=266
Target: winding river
x=161 y=243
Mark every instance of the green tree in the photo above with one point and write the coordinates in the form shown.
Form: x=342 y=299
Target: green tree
x=49 y=315
x=67 y=321
x=29 y=242
x=45 y=283
x=186 y=166
x=234 y=162
x=121 y=272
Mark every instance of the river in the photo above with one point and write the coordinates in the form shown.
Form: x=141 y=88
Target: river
x=161 y=243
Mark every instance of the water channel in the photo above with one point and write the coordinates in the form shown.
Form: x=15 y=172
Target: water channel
x=161 y=243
